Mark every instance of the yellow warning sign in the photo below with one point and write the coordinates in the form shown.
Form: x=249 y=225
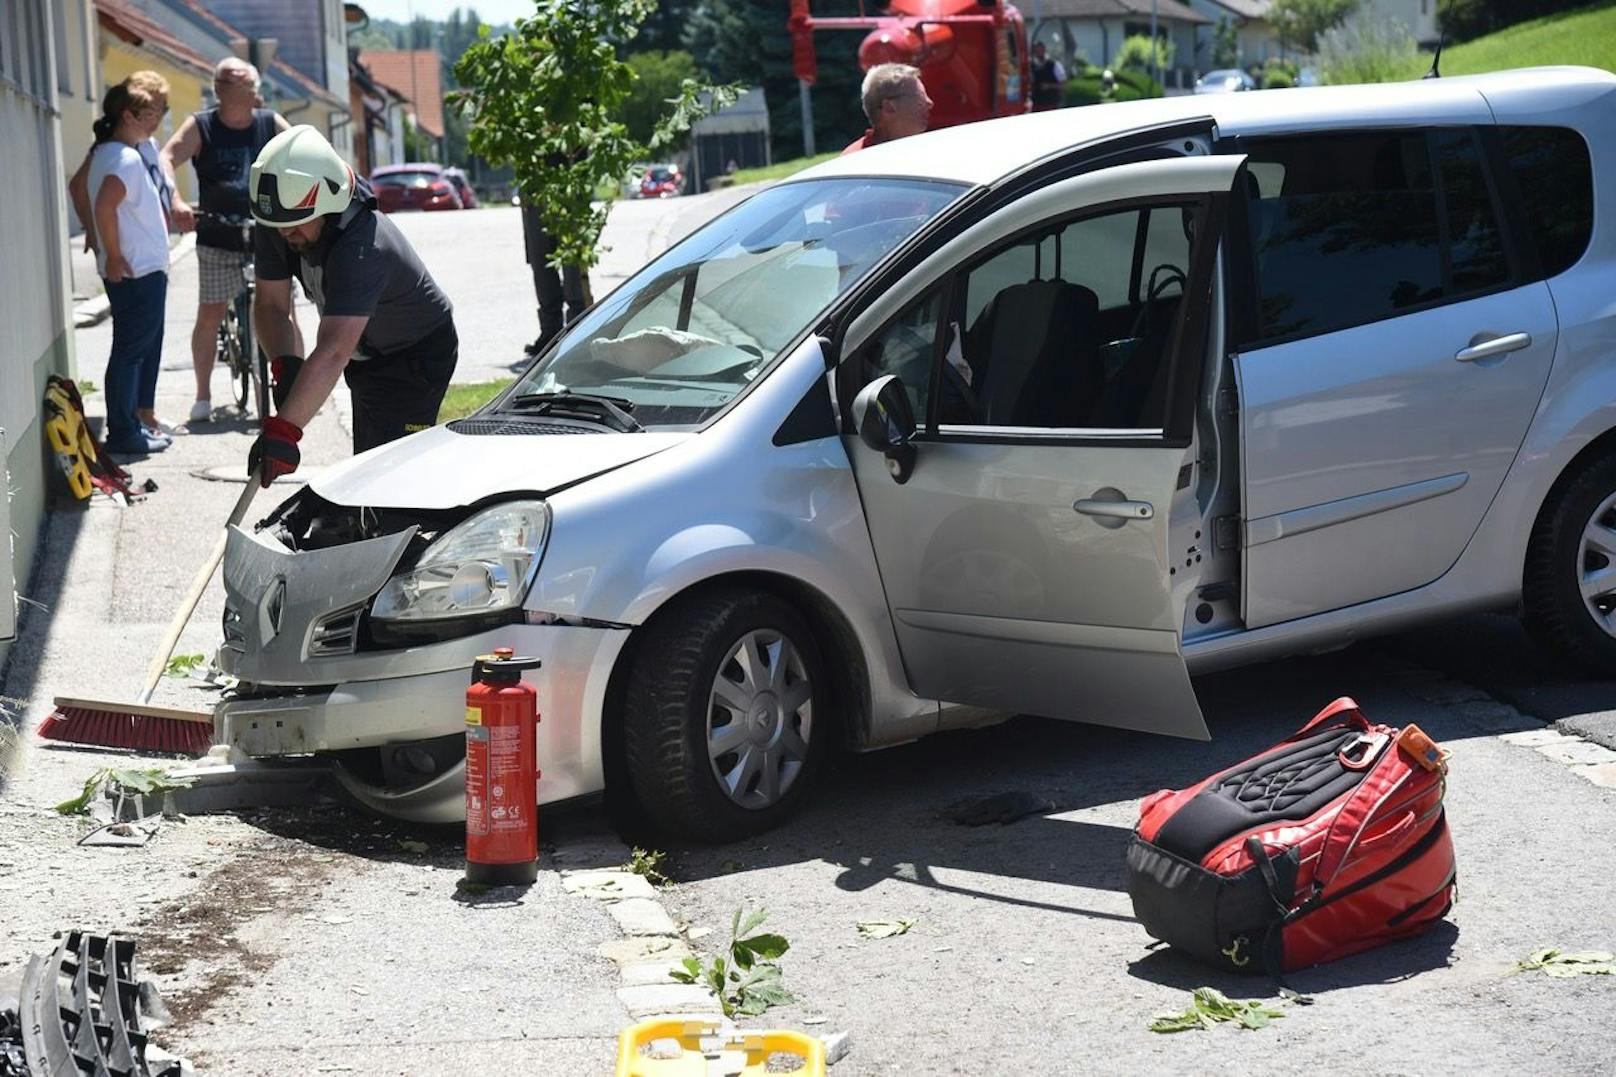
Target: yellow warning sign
x=474 y=716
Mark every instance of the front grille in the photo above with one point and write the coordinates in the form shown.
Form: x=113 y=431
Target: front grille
x=513 y=424
x=335 y=634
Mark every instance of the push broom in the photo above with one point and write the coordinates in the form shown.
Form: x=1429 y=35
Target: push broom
x=139 y=725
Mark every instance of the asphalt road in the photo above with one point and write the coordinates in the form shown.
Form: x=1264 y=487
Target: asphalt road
x=319 y=940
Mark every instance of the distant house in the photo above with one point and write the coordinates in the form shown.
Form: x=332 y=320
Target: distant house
x=414 y=74
x=382 y=109
x=312 y=38
x=1254 y=35
x=1093 y=31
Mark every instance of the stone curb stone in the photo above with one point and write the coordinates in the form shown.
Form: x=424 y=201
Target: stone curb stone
x=1601 y=774
x=1576 y=750
x=1533 y=738
x=644 y=974
x=607 y=885
x=837 y=1044
x=652 y=999
x=638 y=951
x=642 y=916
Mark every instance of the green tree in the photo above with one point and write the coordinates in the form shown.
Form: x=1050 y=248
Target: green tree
x=548 y=99
x=1225 y=43
x=658 y=79
x=1139 y=53
x=1298 y=23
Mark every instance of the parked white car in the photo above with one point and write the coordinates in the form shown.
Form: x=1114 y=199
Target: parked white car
x=1036 y=415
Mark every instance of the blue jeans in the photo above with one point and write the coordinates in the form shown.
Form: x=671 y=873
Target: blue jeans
x=137 y=352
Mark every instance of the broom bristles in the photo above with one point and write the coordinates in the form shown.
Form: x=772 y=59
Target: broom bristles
x=79 y=723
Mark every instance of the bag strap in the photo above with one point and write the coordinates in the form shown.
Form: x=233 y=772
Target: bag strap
x=1387 y=776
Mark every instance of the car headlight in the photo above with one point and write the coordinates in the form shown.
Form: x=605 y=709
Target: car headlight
x=482 y=565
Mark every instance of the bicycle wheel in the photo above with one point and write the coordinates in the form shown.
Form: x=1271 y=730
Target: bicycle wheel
x=229 y=355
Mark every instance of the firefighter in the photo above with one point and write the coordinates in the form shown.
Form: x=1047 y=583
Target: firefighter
x=895 y=102
x=1048 y=79
x=386 y=328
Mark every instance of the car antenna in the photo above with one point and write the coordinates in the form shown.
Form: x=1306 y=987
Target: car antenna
x=1437 y=59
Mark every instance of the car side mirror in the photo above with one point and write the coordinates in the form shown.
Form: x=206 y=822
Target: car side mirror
x=886 y=423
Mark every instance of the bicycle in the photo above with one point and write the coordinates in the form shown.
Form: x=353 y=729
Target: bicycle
x=237 y=349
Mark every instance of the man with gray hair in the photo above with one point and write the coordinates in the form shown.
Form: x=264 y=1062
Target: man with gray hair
x=222 y=143
x=896 y=104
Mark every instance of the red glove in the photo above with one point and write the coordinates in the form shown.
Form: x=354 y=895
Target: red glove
x=275 y=452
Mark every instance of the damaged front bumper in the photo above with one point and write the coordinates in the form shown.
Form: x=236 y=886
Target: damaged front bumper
x=308 y=689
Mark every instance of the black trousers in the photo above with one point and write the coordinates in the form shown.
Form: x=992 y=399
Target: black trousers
x=562 y=294
x=399 y=393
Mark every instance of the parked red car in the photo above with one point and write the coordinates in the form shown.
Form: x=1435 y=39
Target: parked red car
x=414 y=186
x=662 y=181
x=462 y=186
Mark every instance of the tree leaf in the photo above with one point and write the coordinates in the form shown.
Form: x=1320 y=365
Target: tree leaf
x=78 y=804
x=883 y=929
x=766 y=947
x=752 y=921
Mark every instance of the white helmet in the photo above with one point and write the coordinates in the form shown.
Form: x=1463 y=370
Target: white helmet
x=299 y=177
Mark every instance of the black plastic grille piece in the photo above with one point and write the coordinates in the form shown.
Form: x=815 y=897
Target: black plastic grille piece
x=515 y=424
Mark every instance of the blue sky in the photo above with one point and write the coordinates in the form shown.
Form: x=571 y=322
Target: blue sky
x=492 y=11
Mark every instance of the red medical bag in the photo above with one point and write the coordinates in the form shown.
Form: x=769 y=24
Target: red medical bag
x=1330 y=842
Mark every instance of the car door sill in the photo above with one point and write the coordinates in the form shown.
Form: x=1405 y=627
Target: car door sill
x=1313 y=517
x=1055 y=633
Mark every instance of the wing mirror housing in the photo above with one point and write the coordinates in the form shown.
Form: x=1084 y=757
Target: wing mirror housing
x=886 y=423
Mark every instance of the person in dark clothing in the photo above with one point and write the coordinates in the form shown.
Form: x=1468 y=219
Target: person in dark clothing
x=1048 y=79
x=221 y=143
x=557 y=290
x=385 y=325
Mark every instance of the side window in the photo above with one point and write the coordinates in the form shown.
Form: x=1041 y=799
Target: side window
x=1070 y=327
x=1551 y=168
x=905 y=348
x=1352 y=228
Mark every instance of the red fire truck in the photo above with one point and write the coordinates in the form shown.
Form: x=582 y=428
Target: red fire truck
x=972 y=54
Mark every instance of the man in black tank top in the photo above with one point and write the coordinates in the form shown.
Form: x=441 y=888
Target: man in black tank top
x=221 y=143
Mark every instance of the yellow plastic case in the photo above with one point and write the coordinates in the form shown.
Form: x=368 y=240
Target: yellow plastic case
x=703 y=1045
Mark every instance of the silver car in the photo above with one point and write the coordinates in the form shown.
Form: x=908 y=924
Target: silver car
x=1037 y=415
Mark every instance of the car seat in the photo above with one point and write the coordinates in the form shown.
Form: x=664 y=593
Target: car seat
x=1034 y=353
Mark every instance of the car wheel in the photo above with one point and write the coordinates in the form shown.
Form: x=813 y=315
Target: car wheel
x=1569 y=585
x=723 y=718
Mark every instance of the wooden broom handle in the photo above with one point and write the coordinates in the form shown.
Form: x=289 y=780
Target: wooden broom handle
x=204 y=576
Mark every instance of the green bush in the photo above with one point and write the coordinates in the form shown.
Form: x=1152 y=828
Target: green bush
x=1087 y=87
x=1136 y=53
x=1277 y=80
x=1363 y=50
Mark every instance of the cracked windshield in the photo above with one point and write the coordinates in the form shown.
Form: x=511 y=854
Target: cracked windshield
x=698 y=325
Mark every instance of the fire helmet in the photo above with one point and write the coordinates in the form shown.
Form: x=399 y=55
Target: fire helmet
x=298 y=177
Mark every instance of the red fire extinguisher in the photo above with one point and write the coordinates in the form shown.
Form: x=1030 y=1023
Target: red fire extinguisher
x=502 y=772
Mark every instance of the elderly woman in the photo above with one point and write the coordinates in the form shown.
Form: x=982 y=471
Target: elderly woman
x=122 y=196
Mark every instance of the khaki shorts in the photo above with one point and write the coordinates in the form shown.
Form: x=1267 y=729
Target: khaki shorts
x=220 y=274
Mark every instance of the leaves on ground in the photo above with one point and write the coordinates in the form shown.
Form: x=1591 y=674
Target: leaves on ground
x=119 y=779
x=182 y=665
x=883 y=929
x=1209 y=1007
x=648 y=863
x=746 y=980
x=1562 y=964
x=410 y=845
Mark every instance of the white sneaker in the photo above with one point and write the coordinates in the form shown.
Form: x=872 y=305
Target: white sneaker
x=201 y=412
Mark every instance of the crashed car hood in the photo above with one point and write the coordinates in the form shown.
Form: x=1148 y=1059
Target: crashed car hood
x=440 y=469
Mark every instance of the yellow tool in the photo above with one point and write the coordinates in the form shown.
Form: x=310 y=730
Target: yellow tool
x=703 y=1047
x=69 y=439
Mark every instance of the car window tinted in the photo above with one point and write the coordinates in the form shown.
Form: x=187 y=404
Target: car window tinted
x=1476 y=256
x=1551 y=169
x=904 y=348
x=1069 y=328
x=691 y=330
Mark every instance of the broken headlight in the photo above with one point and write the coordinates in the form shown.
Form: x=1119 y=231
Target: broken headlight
x=480 y=566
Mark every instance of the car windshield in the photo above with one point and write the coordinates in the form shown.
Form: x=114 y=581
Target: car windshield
x=660 y=175
x=405 y=179
x=686 y=334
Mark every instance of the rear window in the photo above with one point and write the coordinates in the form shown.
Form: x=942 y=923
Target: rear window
x=406 y=179
x=1551 y=168
x=1352 y=228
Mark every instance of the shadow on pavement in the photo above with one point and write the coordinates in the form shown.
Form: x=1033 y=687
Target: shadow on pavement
x=885 y=815
x=37 y=605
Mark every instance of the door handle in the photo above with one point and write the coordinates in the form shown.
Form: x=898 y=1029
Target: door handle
x=1116 y=510
x=1510 y=342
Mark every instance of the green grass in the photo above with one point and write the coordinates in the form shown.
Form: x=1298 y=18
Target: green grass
x=461 y=400
x=1586 y=37
x=781 y=169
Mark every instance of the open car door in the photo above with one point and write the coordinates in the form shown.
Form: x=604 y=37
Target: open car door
x=1050 y=355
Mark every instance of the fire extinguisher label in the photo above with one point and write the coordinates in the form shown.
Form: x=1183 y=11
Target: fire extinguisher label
x=476 y=778
x=474 y=716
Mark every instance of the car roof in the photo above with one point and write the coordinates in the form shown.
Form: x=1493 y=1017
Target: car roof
x=424 y=166
x=980 y=153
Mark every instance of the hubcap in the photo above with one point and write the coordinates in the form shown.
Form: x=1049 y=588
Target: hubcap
x=759 y=719
x=1596 y=565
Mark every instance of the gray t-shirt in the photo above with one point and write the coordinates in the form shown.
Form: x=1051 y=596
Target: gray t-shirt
x=365 y=268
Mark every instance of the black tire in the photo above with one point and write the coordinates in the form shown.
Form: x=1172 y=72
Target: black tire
x=666 y=714
x=1553 y=607
x=229 y=355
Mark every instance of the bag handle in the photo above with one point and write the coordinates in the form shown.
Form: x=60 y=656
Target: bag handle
x=1356 y=812
x=1340 y=706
